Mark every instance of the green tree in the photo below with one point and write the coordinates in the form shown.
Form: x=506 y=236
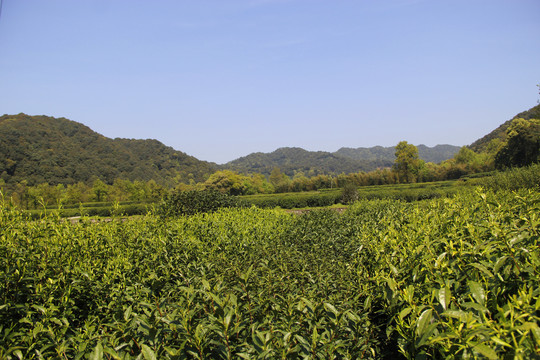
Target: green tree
x=522 y=145
x=228 y=182
x=279 y=181
x=100 y=190
x=407 y=162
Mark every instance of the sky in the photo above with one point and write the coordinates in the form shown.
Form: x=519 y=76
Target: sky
x=220 y=79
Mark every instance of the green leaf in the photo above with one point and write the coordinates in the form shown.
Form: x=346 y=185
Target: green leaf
x=475 y=306
x=477 y=292
x=404 y=313
x=127 y=313
x=483 y=269
x=500 y=342
x=444 y=297
x=486 y=351
x=97 y=354
x=148 y=353
x=112 y=353
x=457 y=314
x=331 y=308
x=423 y=321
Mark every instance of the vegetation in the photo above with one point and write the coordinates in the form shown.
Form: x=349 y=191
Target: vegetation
x=292 y=161
x=42 y=149
x=497 y=136
x=207 y=275
x=522 y=145
x=195 y=201
x=385 y=156
x=514 y=179
x=445 y=278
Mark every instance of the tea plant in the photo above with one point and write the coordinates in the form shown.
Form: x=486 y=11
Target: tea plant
x=443 y=278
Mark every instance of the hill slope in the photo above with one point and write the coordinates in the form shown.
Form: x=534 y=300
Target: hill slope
x=386 y=155
x=291 y=160
x=481 y=144
x=57 y=150
x=345 y=160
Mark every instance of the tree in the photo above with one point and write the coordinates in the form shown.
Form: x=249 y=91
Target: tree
x=100 y=190
x=522 y=145
x=279 y=181
x=349 y=193
x=407 y=162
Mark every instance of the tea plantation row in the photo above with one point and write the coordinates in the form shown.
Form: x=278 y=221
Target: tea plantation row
x=443 y=278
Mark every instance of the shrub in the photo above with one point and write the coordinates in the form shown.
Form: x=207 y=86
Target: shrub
x=349 y=194
x=196 y=201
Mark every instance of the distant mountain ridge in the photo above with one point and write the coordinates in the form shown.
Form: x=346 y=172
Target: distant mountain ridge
x=291 y=160
x=42 y=149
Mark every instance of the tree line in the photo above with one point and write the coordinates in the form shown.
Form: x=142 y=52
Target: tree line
x=520 y=147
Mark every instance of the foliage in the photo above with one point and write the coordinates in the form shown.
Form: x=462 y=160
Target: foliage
x=42 y=149
x=403 y=192
x=445 y=278
x=294 y=200
x=515 y=178
x=349 y=194
x=345 y=160
x=35 y=197
x=195 y=201
x=407 y=162
x=522 y=146
x=499 y=134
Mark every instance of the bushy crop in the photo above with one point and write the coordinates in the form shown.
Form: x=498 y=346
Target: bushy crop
x=515 y=178
x=445 y=278
x=196 y=201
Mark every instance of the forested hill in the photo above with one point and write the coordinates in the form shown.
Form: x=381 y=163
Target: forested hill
x=481 y=144
x=434 y=154
x=292 y=159
x=57 y=150
x=345 y=160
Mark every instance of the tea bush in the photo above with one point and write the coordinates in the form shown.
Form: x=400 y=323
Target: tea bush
x=196 y=201
x=443 y=278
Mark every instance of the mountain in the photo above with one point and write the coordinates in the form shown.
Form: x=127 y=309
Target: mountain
x=481 y=144
x=385 y=155
x=345 y=160
x=57 y=150
x=292 y=159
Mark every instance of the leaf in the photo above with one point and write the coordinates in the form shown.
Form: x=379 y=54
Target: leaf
x=486 y=351
x=112 y=353
x=444 y=297
x=331 y=308
x=404 y=313
x=423 y=321
x=148 y=353
x=97 y=354
x=499 y=263
x=500 y=342
x=127 y=313
x=477 y=292
x=475 y=306
x=457 y=314
x=483 y=269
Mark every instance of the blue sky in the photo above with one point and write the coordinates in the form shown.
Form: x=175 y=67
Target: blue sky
x=221 y=79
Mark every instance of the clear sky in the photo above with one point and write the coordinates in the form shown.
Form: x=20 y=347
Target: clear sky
x=219 y=79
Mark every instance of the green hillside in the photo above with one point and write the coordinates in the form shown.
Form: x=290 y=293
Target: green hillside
x=481 y=144
x=345 y=160
x=57 y=150
x=385 y=155
x=291 y=160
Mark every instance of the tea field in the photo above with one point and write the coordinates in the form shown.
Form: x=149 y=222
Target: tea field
x=453 y=277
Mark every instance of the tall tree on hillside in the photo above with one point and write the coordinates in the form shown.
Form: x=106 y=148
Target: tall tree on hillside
x=522 y=145
x=407 y=162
